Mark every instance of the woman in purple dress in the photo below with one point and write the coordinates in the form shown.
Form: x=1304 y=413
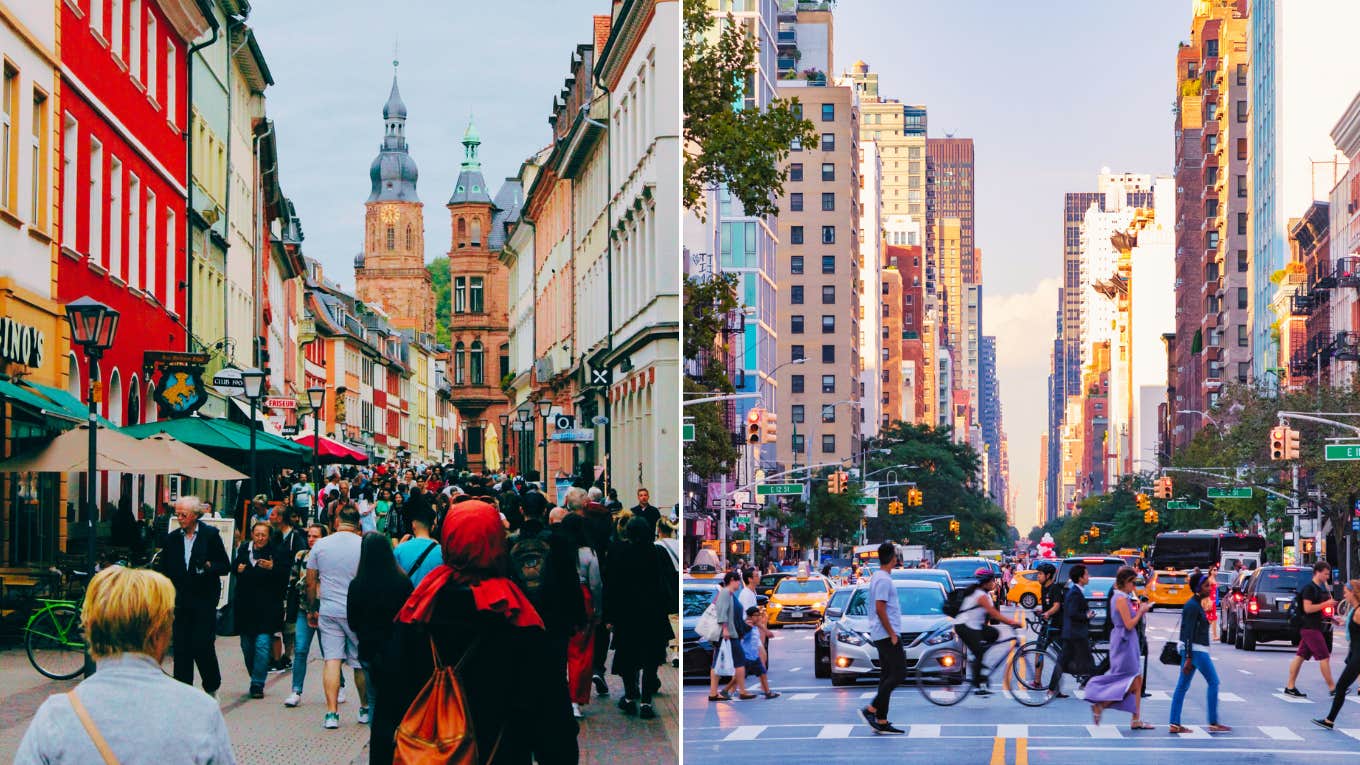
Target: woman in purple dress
x=1122 y=686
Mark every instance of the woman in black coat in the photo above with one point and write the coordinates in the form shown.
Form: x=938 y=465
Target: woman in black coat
x=376 y=594
x=640 y=589
x=258 y=607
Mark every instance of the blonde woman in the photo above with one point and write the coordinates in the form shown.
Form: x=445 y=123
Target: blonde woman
x=1352 y=669
x=129 y=711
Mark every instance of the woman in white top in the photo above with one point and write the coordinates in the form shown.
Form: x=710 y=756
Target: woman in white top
x=971 y=623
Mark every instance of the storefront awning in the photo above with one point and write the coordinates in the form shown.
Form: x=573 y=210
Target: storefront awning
x=40 y=406
x=221 y=435
x=48 y=401
x=332 y=451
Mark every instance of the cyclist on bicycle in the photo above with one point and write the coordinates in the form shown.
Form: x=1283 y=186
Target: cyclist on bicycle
x=971 y=623
x=1052 y=594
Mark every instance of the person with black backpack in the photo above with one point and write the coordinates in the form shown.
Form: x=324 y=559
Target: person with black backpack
x=543 y=562
x=1306 y=615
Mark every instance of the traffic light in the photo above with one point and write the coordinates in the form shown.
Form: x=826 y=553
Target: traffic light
x=1308 y=546
x=740 y=547
x=1147 y=516
x=1291 y=444
x=914 y=497
x=1162 y=488
x=1278 y=436
x=1095 y=532
x=954 y=527
x=769 y=425
x=836 y=482
x=754 y=420
x=1142 y=500
x=895 y=508
x=1083 y=539
x=1156 y=517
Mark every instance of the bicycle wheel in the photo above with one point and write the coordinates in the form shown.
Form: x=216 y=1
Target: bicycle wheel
x=1032 y=673
x=941 y=675
x=55 y=641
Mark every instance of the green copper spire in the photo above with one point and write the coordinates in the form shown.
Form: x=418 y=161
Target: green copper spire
x=471 y=141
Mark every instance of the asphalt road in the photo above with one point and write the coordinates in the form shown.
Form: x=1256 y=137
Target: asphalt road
x=812 y=721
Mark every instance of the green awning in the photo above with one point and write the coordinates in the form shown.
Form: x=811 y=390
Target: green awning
x=24 y=395
x=59 y=399
x=220 y=434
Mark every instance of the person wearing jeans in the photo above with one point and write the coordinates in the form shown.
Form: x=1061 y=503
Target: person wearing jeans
x=297 y=594
x=258 y=608
x=1194 y=639
x=883 y=631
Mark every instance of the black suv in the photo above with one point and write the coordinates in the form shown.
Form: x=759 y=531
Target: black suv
x=1262 y=615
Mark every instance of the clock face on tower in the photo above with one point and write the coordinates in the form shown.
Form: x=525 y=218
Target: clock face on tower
x=389 y=215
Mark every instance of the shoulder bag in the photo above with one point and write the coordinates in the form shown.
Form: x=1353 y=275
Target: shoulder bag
x=91 y=729
x=1171 y=654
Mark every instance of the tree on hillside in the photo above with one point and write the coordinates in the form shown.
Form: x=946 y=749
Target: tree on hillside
x=439 y=274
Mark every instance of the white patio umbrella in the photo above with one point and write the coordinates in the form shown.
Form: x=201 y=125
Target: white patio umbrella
x=186 y=460
x=70 y=452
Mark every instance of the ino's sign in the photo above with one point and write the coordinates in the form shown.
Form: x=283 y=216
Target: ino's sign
x=21 y=344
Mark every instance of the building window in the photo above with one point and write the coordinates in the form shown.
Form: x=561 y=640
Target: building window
x=828 y=171
x=797 y=352
x=828 y=141
x=152 y=51
x=1241 y=335
x=1243 y=372
x=149 y=226
x=1241 y=74
x=477 y=363
x=1241 y=148
x=828 y=234
x=796 y=324
x=460 y=294
x=115 y=218
x=410 y=238
x=9 y=137
x=798 y=415
x=135 y=38
x=828 y=201
x=828 y=413
x=505 y=360
x=1211 y=241
x=795 y=145
x=828 y=323
x=171 y=86
x=116 y=29
x=134 y=206
x=828 y=264
x=796 y=171
x=1242 y=186
x=70 y=134
x=476 y=304
x=1242 y=223
x=828 y=294
x=1242 y=111
x=171 y=286
x=799 y=441
x=796 y=384
x=796 y=201
x=1210 y=208
x=795 y=235
x=796 y=264
x=1242 y=261
x=796 y=294
x=459 y=359
x=38 y=193
x=828 y=443
x=828 y=354
x=828 y=112
x=1241 y=297
x=391 y=238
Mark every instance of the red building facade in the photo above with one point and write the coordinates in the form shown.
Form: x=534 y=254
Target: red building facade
x=124 y=108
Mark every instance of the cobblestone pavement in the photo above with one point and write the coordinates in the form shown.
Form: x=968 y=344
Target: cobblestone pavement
x=264 y=732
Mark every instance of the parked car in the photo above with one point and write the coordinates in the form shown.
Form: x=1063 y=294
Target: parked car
x=926 y=574
x=821 y=657
x=852 y=654
x=1025 y=589
x=696 y=656
x=1263 y=613
x=1096 y=566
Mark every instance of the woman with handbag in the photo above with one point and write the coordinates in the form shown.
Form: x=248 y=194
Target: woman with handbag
x=1121 y=686
x=1194 y=655
x=728 y=659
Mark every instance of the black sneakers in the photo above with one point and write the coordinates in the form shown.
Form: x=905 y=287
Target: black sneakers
x=1323 y=724
x=1295 y=692
x=887 y=729
x=601 y=687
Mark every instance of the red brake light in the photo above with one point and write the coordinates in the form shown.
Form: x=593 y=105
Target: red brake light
x=1327 y=611
x=1252 y=607
x=1092 y=560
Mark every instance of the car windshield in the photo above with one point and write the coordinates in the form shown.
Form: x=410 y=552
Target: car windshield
x=799 y=586
x=770 y=580
x=839 y=598
x=696 y=601
x=1171 y=579
x=1099 y=587
x=1225 y=577
x=1095 y=569
x=921 y=573
x=1284 y=579
x=915 y=601
x=961 y=569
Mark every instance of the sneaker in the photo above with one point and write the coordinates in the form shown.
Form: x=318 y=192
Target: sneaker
x=982 y=690
x=363 y=715
x=340 y=699
x=331 y=721
x=601 y=687
x=1295 y=692
x=576 y=711
x=887 y=729
x=1323 y=724
x=869 y=717
x=293 y=699
x=628 y=706
x=646 y=712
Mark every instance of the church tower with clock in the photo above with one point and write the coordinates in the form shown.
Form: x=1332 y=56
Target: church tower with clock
x=390 y=271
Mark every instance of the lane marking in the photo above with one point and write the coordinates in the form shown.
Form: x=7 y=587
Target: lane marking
x=1193 y=749
x=803 y=697
x=919 y=730
x=1245 y=672
x=744 y=733
x=1280 y=733
x=1105 y=730
x=835 y=731
x=795 y=669
x=865 y=695
x=1022 y=751
x=1227 y=696
x=1291 y=699
x=998 y=751
x=1012 y=731
x=1352 y=732
x=1196 y=732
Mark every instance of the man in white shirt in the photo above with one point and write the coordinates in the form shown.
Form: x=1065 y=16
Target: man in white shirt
x=331 y=566
x=892 y=660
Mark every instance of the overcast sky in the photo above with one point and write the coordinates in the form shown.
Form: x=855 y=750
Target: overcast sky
x=332 y=65
x=1050 y=91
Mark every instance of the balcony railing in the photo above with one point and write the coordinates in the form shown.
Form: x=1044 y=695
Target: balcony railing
x=1348 y=271
x=1300 y=303
x=1346 y=346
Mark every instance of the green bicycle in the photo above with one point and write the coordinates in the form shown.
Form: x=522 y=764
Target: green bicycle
x=55 y=639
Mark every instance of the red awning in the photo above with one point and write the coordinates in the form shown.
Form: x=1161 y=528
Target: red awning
x=331 y=451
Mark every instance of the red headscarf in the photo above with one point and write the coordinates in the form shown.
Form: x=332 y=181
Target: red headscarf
x=474 y=550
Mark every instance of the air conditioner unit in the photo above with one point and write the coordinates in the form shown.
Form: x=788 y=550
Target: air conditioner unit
x=543 y=370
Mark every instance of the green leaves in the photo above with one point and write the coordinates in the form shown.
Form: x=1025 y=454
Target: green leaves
x=439 y=274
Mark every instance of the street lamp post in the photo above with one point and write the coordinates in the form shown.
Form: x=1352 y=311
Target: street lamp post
x=316 y=396
x=523 y=414
x=505 y=439
x=545 y=409
x=93 y=327
x=253 y=379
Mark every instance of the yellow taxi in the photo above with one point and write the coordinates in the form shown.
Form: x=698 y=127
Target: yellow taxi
x=1168 y=588
x=798 y=600
x=1025 y=589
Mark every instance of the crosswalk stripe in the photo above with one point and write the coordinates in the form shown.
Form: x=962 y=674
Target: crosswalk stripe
x=1230 y=697
x=1291 y=699
x=1280 y=733
x=796 y=669
x=1158 y=696
x=924 y=731
x=803 y=696
x=835 y=731
x=744 y=733
x=865 y=695
x=1196 y=732
x=1352 y=732
x=1012 y=731
x=1104 y=731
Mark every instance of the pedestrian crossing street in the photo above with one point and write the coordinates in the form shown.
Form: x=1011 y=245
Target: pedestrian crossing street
x=1029 y=731
x=1225 y=697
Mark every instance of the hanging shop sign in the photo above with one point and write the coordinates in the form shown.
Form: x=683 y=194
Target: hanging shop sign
x=21 y=343
x=180 y=391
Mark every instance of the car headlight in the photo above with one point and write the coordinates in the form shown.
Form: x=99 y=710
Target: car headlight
x=942 y=636
x=773 y=605
x=819 y=604
x=846 y=636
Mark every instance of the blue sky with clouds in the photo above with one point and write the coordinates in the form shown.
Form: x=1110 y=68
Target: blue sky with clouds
x=332 y=64
x=1050 y=91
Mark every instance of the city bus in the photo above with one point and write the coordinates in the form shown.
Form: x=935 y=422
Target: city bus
x=1204 y=548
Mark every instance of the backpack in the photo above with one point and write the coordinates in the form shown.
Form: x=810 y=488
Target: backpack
x=1295 y=613
x=437 y=727
x=530 y=556
x=953 y=603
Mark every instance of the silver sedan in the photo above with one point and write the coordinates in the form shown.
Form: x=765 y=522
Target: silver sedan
x=853 y=655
